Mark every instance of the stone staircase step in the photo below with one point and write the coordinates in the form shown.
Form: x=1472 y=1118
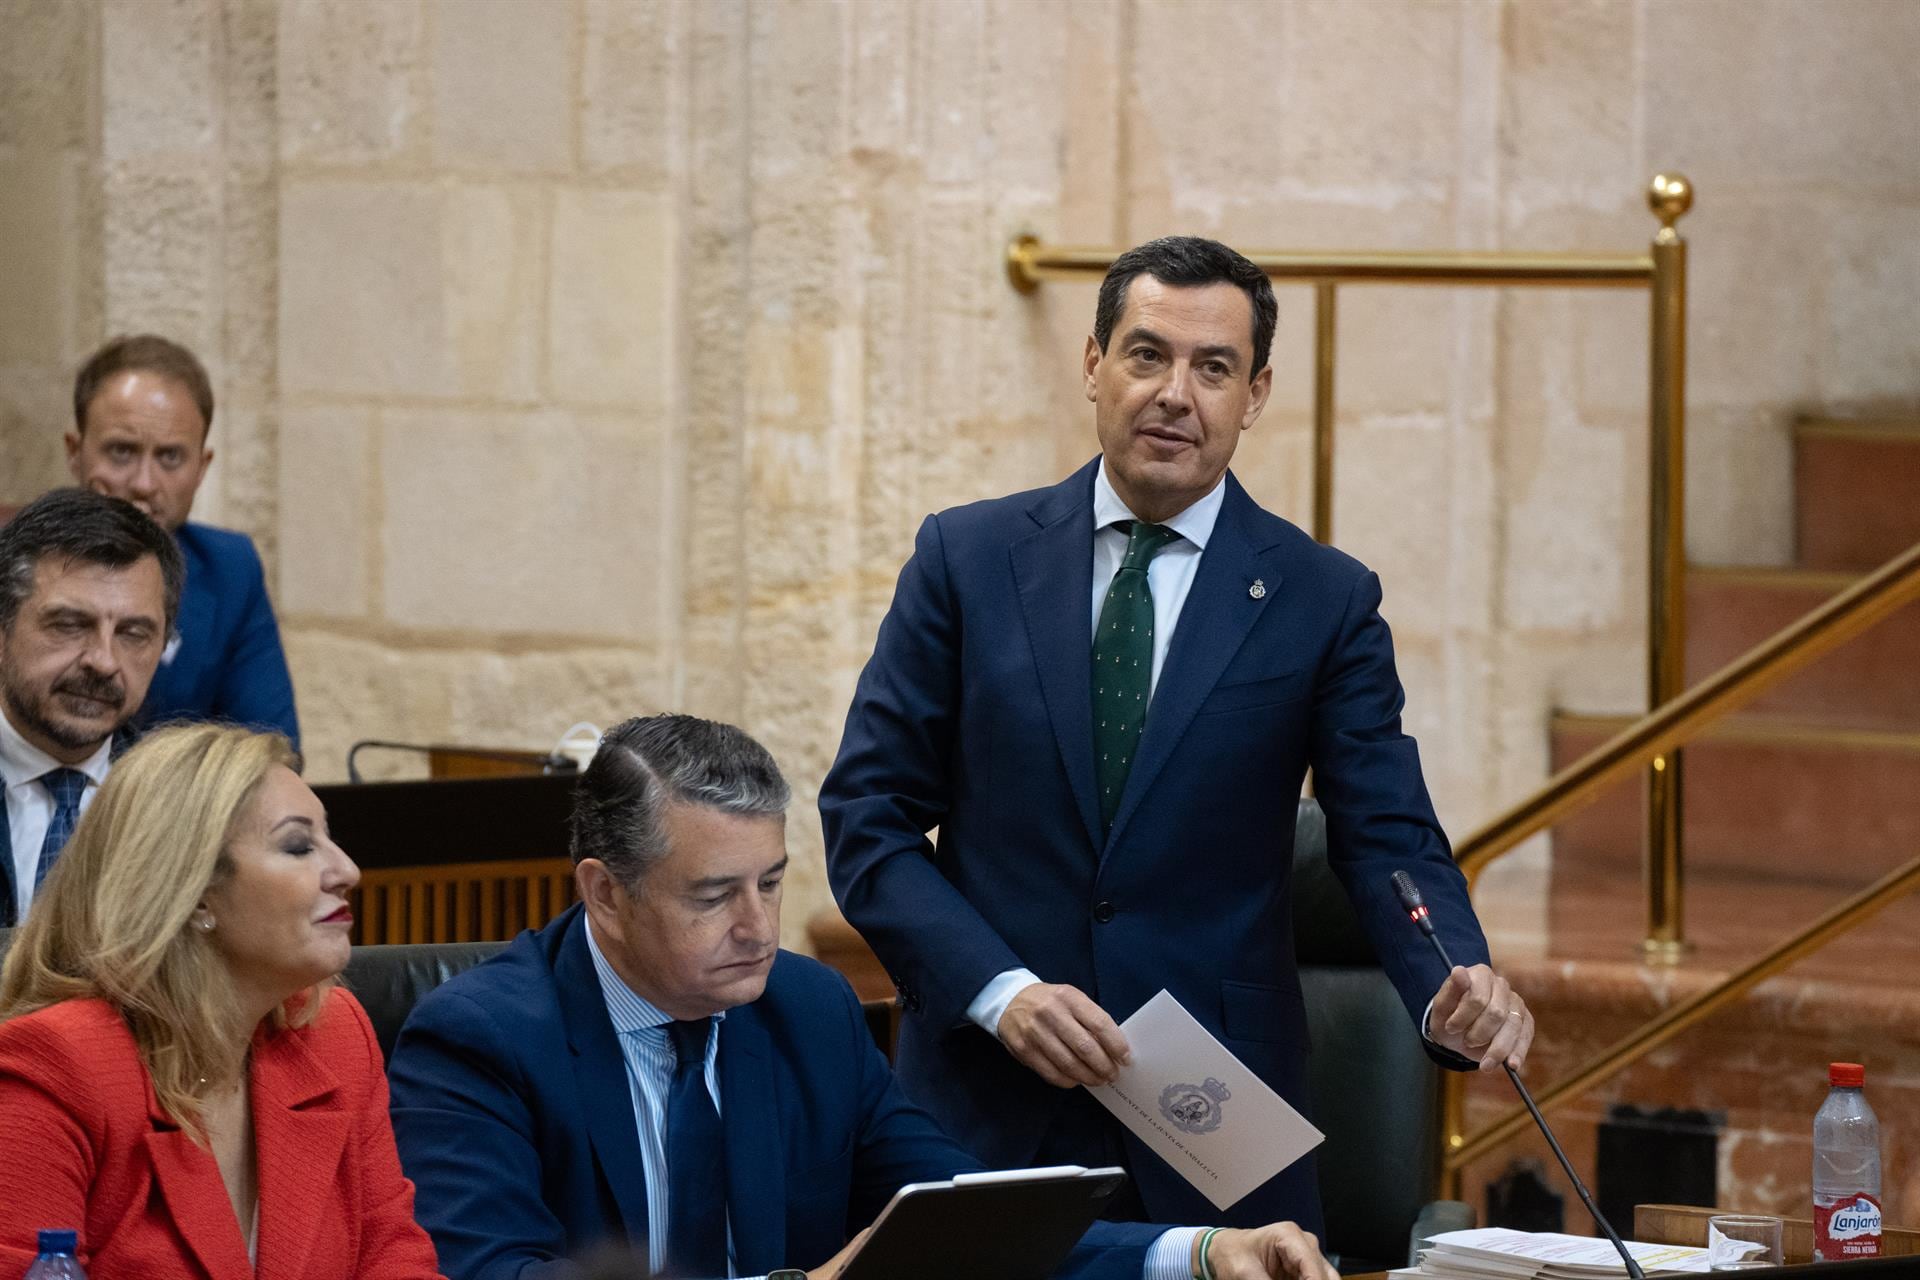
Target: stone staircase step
x=1765 y=797
x=1759 y=1063
x=1870 y=683
x=1856 y=492
x=1597 y=915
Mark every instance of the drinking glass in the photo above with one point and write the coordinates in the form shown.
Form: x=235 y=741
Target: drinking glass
x=1742 y=1242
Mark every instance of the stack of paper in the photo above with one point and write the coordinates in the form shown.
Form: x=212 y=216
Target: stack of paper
x=1495 y=1253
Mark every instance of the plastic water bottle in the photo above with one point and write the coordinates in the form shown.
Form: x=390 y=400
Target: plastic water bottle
x=56 y=1260
x=1846 y=1169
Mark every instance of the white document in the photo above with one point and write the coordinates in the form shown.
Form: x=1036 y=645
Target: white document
x=1488 y=1251
x=1200 y=1108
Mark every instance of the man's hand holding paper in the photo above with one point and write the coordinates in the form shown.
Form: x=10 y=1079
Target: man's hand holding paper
x=1201 y=1109
x=1060 y=1034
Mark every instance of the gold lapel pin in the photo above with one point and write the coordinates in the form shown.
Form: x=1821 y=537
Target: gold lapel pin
x=1258 y=590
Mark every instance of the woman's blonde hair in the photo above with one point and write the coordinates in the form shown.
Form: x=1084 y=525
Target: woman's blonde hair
x=114 y=918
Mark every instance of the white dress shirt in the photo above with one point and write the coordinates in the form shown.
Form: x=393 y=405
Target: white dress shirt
x=1169 y=573
x=30 y=804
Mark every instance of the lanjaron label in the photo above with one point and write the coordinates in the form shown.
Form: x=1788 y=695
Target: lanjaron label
x=1848 y=1229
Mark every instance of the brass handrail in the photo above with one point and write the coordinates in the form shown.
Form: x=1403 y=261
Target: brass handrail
x=1849 y=613
x=1890 y=587
x=1662 y=272
x=1030 y=263
x=1651 y=1035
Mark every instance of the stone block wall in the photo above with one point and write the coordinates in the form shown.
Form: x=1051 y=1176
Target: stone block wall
x=581 y=358
x=52 y=289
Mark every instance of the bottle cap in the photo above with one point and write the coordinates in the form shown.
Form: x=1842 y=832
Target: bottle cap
x=59 y=1241
x=1846 y=1075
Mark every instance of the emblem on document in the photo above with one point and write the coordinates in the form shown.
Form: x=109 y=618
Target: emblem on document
x=1194 y=1108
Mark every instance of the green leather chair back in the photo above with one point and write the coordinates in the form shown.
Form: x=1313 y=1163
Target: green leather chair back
x=1376 y=1094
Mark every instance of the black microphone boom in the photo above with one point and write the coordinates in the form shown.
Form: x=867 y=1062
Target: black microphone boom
x=1416 y=909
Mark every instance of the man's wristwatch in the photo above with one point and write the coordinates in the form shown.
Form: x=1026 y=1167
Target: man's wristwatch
x=787 y=1273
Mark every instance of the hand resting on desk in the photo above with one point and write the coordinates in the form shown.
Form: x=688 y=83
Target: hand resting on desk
x=1278 y=1251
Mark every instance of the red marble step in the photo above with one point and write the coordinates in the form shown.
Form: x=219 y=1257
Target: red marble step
x=1760 y=1062
x=1856 y=492
x=1770 y=798
x=1596 y=913
x=1869 y=683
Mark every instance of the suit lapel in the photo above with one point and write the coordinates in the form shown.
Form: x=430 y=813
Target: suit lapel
x=300 y=1133
x=7 y=899
x=200 y=608
x=1053 y=572
x=189 y=1182
x=600 y=1074
x=1214 y=622
x=756 y=1175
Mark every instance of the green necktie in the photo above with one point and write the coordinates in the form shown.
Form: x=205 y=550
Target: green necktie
x=1123 y=664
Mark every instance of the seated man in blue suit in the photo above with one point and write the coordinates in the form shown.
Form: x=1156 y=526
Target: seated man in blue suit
x=650 y=1067
x=142 y=409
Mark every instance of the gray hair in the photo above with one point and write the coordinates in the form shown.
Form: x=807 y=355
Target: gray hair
x=650 y=762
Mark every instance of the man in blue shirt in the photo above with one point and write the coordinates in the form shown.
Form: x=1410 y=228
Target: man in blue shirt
x=652 y=1068
x=142 y=411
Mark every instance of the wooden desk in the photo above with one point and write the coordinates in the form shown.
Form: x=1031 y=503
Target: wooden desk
x=1687 y=1224
x=488 y=762
x=467 y=860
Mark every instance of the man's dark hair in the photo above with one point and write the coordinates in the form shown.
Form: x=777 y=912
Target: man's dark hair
x=650 y=762
x=1188 y=262
x=143 y=353
x=78 y=524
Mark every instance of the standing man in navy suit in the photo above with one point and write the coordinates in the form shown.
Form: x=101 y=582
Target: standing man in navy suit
x=1105 y=695
x=142 y=411
x=651 y=1068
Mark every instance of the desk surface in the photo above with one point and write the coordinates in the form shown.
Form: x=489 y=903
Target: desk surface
x=1687 y=1224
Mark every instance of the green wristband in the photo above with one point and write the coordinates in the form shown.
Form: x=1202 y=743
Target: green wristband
x=1206 y=1242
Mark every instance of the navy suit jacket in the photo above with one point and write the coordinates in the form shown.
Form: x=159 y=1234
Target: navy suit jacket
x=974 y=716
x=514 y=1119
x=229 y=664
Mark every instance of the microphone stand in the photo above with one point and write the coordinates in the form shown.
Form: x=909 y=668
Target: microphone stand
x=1417 y=910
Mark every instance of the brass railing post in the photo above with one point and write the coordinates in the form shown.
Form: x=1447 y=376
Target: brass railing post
x=1670 y=196
x=1323 y=364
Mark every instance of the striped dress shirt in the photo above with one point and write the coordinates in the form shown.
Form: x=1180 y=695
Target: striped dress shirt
x=642 y=1031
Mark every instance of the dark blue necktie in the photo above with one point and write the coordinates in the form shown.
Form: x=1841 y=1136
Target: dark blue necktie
x=66 y=786
x=696 y=1161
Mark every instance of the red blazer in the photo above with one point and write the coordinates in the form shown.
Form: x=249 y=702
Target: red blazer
x=86 y=1146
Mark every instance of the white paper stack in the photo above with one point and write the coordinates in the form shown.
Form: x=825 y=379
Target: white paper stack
x=1496 y=1253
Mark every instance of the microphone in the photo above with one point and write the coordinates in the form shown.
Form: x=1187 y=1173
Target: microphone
x=1416 y=909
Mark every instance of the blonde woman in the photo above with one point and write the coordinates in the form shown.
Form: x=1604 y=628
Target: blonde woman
x=180 y=1081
